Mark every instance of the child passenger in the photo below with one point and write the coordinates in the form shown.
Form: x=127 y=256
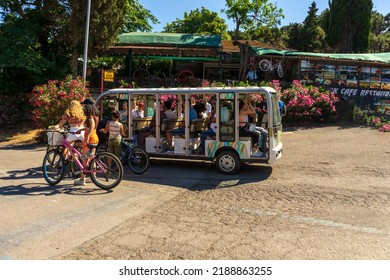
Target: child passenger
x=116 y=133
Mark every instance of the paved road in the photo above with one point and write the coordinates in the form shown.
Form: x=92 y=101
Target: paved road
x=329 y=198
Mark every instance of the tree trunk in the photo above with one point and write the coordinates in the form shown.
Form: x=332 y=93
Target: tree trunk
x=74 y=66
x=244 y=55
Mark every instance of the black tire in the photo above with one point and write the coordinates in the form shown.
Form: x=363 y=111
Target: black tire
x=53 y=166
x=228 y=162
x=112 y=174
x=101 y=148
x=74 y=169
x=138 y=161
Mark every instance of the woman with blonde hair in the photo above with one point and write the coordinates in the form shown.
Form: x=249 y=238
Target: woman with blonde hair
x=75 y=117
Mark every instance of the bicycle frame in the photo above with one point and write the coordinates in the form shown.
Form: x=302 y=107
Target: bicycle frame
x=76 y=155
x=267 y=65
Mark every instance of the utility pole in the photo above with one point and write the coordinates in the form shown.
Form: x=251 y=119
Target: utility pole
x=86 y=41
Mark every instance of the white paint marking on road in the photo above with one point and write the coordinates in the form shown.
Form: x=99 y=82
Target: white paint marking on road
x=309 y=220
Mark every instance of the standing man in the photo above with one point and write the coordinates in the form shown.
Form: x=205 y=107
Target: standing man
x=251 y=76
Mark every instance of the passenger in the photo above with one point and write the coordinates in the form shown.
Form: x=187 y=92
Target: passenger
x=123 y=112
x=211 y=132
x=209 y=108
x=264 y=120
x=167 y=108
x=258 y=135
x=117 y=131
x=151 y=128
x=201 y=110
x=180 y=130
x=139 y=111
x=282 y=108
x=90 y=137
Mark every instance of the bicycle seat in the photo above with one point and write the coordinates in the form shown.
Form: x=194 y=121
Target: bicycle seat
x=92 y=146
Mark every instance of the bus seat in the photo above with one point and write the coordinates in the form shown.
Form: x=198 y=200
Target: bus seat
x=139 y=123
x=245 y=138
x=169 y=124
x=199 y=125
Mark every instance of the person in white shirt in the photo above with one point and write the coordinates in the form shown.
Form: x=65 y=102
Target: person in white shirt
x=251 y=76
x=139 y=111
x=167 y=105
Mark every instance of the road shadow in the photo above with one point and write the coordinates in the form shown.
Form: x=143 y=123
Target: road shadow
x=25 y=187
x=197 y=175
x=24 y=147
x=189 y=174
x=31 y=189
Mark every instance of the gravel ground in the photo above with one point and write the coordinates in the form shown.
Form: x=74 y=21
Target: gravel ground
x=328 y=198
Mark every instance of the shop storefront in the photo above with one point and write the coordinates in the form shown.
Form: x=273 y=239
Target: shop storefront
x=348 y=75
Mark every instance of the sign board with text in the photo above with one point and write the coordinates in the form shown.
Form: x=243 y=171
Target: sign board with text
x=109 y=76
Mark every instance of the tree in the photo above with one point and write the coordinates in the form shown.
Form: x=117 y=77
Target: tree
x=251 y=14
x=312 y=31
x=26 y=57
x=198 y=21
x=49 y=35
x=271 y=35
x=380 y=33
x=349 y=25
x=294 y=35
x=137 y=18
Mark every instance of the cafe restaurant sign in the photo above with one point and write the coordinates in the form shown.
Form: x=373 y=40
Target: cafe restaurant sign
x=348 y=92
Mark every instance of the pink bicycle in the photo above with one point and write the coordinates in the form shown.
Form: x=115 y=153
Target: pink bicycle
x=105 y=169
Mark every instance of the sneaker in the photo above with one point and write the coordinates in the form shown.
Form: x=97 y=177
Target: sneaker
x=258 y=154
x=169 y=151
x=80 y=182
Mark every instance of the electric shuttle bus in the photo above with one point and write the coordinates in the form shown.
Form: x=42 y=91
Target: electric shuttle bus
x=217 y=135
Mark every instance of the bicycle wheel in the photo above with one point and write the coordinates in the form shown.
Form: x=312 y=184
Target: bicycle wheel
x=280 y=70
x=53 y=167
x=265 y=65
x=141 y=74
x=101 y=148
x=186 y=77
x=107 y=170
x=138 y=161
x=74 y=169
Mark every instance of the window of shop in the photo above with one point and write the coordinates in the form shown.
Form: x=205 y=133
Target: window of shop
x=344 y=75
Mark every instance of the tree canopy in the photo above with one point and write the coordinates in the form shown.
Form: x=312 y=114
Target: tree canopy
x=252 y=14
x=198 y=21
x=349 y=25
x=309 y=35
x=49 y=35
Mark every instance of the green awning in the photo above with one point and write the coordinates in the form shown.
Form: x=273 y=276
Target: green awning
x=151 y=38
x=380 y=57
x=183 y=58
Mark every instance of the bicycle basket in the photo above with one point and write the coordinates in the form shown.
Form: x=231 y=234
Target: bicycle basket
x=54 y=138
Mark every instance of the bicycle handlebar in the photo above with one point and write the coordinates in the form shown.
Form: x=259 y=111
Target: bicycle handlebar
x=127 y=141
x=64 y=132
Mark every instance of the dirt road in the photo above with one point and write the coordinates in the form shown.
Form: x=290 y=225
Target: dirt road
x=328 y=198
